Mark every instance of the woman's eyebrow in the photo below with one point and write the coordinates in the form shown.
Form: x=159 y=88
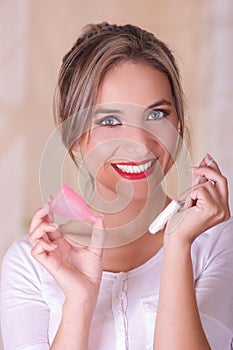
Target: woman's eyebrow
x=107 y=111
x=159 y=103
x=102 y=110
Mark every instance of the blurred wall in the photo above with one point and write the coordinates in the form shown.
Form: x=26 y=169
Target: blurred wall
x=34 y=35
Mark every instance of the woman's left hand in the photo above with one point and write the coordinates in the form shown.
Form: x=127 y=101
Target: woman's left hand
x=207 y=204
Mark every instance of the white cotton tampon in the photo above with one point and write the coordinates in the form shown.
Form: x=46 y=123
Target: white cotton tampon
x=161 y=220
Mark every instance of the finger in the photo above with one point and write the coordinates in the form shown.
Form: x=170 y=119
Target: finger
x=192 y=196
x=204 y=161
x=207 y=202
x=40 y=215
x=41 y=250
x=206 y=191
x=98 y=236
x=211 y=163
x=217 y=178
x=40 y=232
x=54 y=235
x=207 y=161
x=49 y=201
x=50 y=213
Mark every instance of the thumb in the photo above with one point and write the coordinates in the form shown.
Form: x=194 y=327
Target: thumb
x=98 y=235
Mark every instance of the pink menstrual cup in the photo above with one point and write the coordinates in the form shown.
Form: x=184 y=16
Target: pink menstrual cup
x=69 y=204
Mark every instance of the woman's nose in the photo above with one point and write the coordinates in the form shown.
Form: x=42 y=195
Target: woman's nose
x=138 y=143
x=134 y=148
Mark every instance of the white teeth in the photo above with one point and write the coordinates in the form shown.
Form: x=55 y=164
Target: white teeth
x=134 y=169
x=142 y=167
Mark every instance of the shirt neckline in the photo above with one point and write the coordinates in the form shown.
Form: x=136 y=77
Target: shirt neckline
x=135 y=271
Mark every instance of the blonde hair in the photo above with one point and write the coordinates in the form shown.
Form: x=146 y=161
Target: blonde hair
x=84 y=67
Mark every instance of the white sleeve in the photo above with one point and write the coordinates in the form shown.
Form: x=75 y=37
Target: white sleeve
x=214 y=287
x=24 y=314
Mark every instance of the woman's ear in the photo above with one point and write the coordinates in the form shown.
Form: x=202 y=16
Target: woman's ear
x=76 y=148
x=58 y=122
x=75 y=153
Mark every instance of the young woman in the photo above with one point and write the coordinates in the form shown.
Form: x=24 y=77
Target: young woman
x=120 y=110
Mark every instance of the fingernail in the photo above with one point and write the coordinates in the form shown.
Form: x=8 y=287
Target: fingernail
x=192 y=167
x=53 y=245
x=47 y=208
x=54 y=225
x=49 y=199
x=100 y=216
x=210 y=162
x=99 y=222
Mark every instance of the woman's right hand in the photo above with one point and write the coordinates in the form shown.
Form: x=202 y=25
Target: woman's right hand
x=77 y=270
x=206 y=205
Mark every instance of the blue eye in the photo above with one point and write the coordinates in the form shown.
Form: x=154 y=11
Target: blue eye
x=109 y=121
x=156 y=114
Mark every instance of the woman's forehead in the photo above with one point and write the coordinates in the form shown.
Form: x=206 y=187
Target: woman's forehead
x=134 y=83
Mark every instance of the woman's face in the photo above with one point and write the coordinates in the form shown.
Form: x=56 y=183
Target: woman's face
x=134 y=134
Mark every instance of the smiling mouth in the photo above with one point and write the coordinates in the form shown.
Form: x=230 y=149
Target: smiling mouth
x=135 y=171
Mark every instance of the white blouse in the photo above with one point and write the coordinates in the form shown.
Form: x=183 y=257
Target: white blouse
x=31 y=301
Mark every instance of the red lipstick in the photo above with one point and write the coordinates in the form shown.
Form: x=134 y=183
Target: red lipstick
x=131 y=171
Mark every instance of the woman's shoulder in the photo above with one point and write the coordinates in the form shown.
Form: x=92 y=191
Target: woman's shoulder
x=18 y=256
x=225 y=225
x=20 y=246
x=215 y=244
x=221 y=232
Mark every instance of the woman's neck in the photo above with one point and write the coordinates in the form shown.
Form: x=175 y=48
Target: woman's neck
x=128 y=243
x=125 y=206
x=127 y=257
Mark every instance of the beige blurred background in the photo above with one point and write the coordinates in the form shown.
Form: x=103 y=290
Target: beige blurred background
x=35 y=34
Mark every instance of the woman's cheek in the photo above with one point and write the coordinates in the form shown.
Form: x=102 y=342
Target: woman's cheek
x=166 y=134
x=98 y=153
